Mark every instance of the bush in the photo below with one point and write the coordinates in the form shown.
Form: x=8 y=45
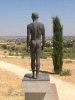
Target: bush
x=43 y=55
x=65 y=72
x=13 y=48
x=47 y=44
x=4 y=46
x=68 y=45
x=47 y=49
x=23 y=54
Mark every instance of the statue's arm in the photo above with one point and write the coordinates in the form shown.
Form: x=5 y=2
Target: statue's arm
x=43 y=37
x=28 y=37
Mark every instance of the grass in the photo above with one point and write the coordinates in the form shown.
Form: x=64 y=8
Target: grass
x=65 y=72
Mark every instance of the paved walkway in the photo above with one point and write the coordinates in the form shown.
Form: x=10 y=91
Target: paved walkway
x=66 y=91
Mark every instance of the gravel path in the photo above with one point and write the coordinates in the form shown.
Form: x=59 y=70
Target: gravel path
x=66 y=91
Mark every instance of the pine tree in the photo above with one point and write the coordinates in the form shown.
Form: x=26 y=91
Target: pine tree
x=57 y=55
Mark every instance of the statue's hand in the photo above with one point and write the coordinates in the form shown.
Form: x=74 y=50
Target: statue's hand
x=42 y=47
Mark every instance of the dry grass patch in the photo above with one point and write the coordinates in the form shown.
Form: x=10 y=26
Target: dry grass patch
x=10 y=86
x=46 y=65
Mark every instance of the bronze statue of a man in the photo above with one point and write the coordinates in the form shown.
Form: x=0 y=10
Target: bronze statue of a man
x=35 y=31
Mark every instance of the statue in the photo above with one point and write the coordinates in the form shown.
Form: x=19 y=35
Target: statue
x=35 y=31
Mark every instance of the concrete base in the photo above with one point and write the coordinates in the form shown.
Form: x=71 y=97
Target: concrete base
x=39 y=89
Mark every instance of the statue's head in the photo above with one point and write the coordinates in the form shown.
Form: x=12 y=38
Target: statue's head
x=35 y=16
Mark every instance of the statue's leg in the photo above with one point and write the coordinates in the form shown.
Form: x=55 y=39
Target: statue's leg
x=37 y=61
x=33 y=62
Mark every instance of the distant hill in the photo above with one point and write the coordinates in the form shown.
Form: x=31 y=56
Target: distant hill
x=69 y=37
x=65 y=37
x=12 y=37
x=24 y=37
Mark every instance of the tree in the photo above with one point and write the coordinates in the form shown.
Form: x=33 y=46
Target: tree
x=57 y=55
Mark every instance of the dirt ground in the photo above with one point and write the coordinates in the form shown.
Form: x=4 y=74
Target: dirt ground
x=10 y=86
x=46 y=66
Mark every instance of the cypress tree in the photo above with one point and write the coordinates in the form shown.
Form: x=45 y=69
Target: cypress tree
x=57 y=55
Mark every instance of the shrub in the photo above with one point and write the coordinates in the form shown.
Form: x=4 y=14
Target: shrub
x=43 y=55
x=24 y=53
x=4 y=46
x=68 y=45
x=65 y=72
x=47 y=49
x=13 y=48
x=47 y=44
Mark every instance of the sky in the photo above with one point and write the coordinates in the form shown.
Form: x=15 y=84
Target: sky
x=16 y=14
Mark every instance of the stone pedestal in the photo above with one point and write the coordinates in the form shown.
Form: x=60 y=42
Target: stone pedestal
x=39 y=89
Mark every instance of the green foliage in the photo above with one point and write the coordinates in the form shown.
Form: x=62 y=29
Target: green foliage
x=4 y=46
x=47 y=52
x=57 y=45
x=47 y=49
x=69 y=53
x=65 y=72
x=13 y=48
x=68 y=45
x=24 y=53
x=47 y=44
x=43 y=56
